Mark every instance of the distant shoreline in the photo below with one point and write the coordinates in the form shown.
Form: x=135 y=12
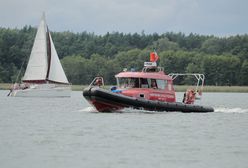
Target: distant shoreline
x=178 y=88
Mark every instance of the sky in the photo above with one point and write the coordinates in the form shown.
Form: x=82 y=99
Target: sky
x=206 y=17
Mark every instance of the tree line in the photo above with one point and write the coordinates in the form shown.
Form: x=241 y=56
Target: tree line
x=223 y=60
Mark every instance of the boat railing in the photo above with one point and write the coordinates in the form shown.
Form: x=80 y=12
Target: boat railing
x=199 y=77
x=97 y=81
x=152 y=69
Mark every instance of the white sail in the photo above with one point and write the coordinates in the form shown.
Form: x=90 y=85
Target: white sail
x=38 y=62
x=56 y=72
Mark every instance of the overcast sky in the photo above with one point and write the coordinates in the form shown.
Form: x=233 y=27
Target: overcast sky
x=208 y=17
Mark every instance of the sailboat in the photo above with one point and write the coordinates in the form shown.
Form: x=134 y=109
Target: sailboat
x=44 y=75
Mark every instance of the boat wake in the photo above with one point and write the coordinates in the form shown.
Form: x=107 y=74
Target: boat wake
x=231 y=110
x=131 y=110
x=88 y=109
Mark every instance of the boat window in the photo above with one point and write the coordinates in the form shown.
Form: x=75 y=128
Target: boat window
x=153 y=84
x=143 y=83
x=128 y=82
x=161 y=84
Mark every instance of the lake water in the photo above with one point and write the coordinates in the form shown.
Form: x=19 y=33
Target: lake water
x=67 y=133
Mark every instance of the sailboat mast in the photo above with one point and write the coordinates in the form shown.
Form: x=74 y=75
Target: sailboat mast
x=48 y=53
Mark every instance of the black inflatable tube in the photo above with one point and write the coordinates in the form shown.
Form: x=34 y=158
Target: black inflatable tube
x=102 y=95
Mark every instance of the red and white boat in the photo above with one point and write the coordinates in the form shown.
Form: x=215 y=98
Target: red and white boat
x=151 y=89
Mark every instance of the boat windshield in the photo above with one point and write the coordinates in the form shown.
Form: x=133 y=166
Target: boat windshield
x=141 y=83
x=128 y=82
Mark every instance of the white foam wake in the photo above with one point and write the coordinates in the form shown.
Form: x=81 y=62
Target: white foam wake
x=131 y=110
x=231 y=110
x=88 y=109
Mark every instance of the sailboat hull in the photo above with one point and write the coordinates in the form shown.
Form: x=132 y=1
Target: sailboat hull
x=43 y=90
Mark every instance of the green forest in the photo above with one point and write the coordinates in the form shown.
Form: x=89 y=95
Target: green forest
x=223 y=60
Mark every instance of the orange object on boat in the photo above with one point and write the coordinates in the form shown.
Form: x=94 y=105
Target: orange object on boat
x=154 y=56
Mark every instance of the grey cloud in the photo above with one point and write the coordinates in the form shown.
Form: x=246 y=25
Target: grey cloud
x=217 y=17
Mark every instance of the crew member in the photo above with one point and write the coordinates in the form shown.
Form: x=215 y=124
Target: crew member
x=154 y=85
x=189 y=96
x=98 y=82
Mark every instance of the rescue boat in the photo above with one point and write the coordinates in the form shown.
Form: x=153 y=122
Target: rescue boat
x=150 y=89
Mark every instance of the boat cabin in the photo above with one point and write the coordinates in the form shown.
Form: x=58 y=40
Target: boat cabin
x=151 y=83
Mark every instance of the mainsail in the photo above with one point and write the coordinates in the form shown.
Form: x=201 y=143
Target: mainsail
x=44 y=64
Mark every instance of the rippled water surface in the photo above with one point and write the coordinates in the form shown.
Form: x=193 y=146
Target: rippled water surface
x=66 y=132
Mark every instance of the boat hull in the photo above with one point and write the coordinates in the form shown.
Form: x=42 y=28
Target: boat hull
x=106 y=101
x=43 y=90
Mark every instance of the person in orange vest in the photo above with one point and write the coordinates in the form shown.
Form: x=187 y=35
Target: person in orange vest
x=189 y=96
